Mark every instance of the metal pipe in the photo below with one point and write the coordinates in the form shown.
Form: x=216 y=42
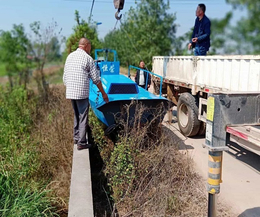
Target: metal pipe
x=212 y=205
x=161 y=78
x=129 y=75
x=161 y=81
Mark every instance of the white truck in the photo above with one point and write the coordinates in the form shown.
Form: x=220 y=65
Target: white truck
x=187 y=80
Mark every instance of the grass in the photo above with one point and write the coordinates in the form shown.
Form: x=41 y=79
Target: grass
x=35 y=154
x=20 y=193
x=56 y=77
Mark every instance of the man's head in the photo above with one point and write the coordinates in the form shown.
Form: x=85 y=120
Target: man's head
x=85 y=45
x=200 y=10
x=141 y=65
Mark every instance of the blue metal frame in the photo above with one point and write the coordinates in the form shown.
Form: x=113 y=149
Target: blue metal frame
x=110 y=67
x=148 y=72
x=106 y=51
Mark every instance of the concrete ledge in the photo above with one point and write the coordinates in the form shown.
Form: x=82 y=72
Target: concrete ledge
x=80 y=201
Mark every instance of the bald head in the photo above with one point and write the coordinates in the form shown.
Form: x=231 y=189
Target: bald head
x=83 y=41
x=85 y=45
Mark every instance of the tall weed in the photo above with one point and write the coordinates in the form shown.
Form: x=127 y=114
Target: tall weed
x=20 y=195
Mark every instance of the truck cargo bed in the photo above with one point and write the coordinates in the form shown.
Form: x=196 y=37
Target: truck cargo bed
x=211 y=73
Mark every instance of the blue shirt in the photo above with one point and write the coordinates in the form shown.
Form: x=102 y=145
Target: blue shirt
x=202 y=32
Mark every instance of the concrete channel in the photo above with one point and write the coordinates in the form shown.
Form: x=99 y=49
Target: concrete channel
x=81 y=201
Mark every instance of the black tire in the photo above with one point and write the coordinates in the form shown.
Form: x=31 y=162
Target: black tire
x=187 y=113
x=111 y=129
x=202 y=129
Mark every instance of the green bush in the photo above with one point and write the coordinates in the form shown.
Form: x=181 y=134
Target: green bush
x=121 y=167
x=20 y=194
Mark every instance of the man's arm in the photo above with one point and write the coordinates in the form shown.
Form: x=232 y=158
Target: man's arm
x=136 y=75
x=96 y=80
x=149 y=79
x=207 y=33
x=104 y=95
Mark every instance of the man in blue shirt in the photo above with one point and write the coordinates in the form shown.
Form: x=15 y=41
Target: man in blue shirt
x=200 y=39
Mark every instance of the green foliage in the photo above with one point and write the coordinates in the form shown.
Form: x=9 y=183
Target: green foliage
x=20 y=200
x=220 y=40
x=44 y=47
x=2 y=69
x=104 y=145
x=148 y=30
x=83 y=29
x=20 y=195
x=118 y=158
x=14 y=48
x=181 y=44
x=121 y=167
x=246 y=33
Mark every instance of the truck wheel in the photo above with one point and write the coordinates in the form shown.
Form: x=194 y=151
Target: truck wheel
x=187 y=113
x=202 y=129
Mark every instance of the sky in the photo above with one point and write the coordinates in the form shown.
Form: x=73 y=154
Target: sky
x=62 y=11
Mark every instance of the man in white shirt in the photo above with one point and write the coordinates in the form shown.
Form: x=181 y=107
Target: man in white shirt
x=141 y=76
x=78 y=70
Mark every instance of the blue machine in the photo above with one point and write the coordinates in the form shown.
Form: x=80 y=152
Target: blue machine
x=121 y=90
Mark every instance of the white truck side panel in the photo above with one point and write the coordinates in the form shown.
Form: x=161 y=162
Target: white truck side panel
x=227 y=73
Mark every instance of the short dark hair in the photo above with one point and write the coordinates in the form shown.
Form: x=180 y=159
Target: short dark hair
x=202 y=7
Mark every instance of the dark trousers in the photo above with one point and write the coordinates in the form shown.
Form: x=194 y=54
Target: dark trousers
x=81 y=108
x=143 y=86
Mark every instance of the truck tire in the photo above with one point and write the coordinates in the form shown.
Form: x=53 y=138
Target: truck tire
x=187 y=113
x=202 y=129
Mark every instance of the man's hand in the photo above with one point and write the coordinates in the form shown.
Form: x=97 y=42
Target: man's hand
x=105 y=97
x=189 y=46
x=195 y=40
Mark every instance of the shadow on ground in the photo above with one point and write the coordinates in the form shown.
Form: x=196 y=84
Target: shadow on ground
x=171 y=133
x=254 y=212
x=245 y=156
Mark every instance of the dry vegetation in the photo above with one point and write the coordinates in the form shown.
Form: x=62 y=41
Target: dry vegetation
x=145 y=171
x=147 y=174
x=53 y=124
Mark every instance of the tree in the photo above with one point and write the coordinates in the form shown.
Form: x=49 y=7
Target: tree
x=220 y=35
x=247 y=32
x=83 y=29
x=44 y=47
x=181 y=44
x=148 y=30
x=55 y=53
x=14 y=49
